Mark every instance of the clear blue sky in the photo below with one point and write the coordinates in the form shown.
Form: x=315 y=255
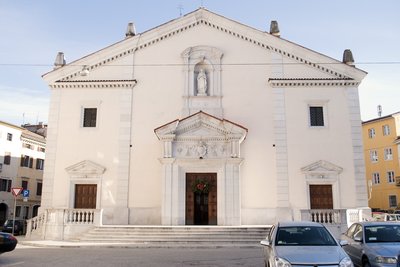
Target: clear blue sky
x=32 y=32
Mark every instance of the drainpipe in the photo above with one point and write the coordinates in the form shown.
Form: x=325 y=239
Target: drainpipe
x=131 y=122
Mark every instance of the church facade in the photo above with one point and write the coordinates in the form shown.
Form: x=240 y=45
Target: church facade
x=204 y=121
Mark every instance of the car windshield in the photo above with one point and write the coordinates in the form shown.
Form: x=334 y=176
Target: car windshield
x=9 y=223
x=304 y=236
x=382 y=233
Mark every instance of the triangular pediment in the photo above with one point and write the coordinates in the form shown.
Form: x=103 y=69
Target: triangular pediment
x=85 y=168
x=201 y=126
x=322 y=166
x=120 y=54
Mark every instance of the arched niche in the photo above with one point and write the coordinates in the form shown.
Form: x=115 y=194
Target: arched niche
x=202 y=77
x=208 y=59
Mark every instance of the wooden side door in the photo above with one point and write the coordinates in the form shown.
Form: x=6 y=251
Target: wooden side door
x=321 y=197
x=85 y=196
x=201 y=208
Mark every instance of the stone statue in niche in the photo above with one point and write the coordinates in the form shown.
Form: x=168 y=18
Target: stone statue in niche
x=202 y=83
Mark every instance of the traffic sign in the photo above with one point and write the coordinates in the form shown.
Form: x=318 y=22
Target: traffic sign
x=16 y=190
x=25 y=193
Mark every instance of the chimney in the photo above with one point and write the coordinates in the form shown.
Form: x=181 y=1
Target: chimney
x=60 y=60
x=348 y=57
x=379 y=111
x=274 y=29
x=130 y=30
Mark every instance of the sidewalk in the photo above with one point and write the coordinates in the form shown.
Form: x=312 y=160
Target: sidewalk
x=70 y=244
x=23 y=243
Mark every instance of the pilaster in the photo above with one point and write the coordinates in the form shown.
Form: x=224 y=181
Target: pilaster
x=358 y=150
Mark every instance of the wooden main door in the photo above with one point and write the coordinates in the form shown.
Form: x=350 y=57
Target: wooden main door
x=321 y=196
x=201 y=199
x=85 y=196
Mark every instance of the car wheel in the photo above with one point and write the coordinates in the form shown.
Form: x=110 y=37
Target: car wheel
x=366 y=263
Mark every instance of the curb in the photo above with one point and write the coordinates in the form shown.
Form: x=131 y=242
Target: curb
x=67 y=244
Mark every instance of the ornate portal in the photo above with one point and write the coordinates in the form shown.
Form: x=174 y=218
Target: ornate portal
x=193 y=147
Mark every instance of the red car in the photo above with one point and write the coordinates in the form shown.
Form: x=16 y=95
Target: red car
x=7 y=242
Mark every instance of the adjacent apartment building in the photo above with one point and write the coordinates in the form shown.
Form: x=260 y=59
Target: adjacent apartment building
x=382 y=145
x=22 y=155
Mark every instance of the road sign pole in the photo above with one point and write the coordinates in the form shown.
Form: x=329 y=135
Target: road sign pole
x=15 y=208
x=15 y=191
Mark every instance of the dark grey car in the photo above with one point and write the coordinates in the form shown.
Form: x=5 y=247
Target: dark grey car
x=19 y=227
x=375 y=244
x=303 y=244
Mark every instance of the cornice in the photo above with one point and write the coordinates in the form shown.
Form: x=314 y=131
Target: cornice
x=33 y=142
x=208 y=138
x=85 y=168
x=97 y=84
x=203 y=19
x=223 y=130
x=313 y=82
x=322 y=166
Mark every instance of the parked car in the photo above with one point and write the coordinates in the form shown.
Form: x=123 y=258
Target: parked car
x=373 y=244
x=385 y=217
x=19 y=227
x=7 y=242
x=303 y=243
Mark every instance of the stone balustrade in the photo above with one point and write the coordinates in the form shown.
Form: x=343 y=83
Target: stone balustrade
x=336 y=220
x=62 y=224
x=80 y=216
x=326 y=216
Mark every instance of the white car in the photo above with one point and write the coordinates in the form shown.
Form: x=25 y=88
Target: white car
x=303 y=244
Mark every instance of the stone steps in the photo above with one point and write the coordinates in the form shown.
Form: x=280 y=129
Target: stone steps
x=176 y=236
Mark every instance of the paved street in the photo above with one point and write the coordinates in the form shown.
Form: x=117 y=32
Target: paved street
x=151 y=257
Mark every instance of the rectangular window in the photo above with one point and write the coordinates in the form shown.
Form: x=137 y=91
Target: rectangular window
x=373 y=154
x=17 y=211
x=371 y=133
x=24 y=184
x=41 y=149
x=316 y=116
x=390 y=177
x=392 y=201
x=26 y=212
x=39 y=188
x=388 y=153
x=7 y=158
x=375 y=178
x=39 y=164
x=386 y=129
x=26 y=161
x=5 y=185
x=89 y=117
x=9 y=137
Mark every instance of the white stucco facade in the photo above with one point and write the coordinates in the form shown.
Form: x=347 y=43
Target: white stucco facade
x=248 y=122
